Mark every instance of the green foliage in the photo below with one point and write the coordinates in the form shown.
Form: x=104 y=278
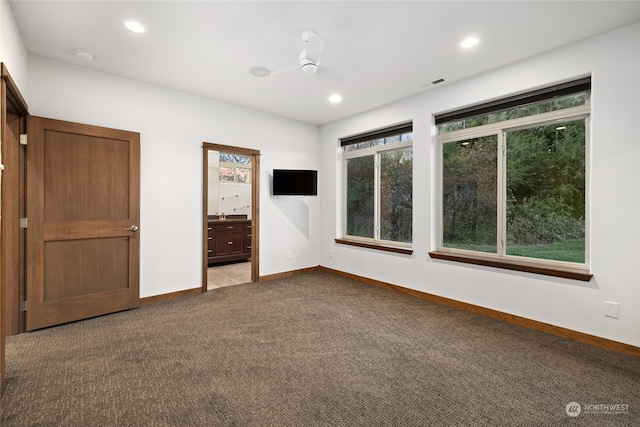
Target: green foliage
x=545 y=190
x=533 y=109
x=360 y=196
x=396 y=195
x=546 y=183
x=541 y=220
x=552 y=104
x=469 y=192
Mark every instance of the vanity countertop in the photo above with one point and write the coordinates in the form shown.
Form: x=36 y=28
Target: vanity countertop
x=228 y=218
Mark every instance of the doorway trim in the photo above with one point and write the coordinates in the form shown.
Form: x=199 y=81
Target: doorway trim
x=11 y=237
x=255 y=205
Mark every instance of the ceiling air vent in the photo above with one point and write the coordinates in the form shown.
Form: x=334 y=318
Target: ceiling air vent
x=433 y=83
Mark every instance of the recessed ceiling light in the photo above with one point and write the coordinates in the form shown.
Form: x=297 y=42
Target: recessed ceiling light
x=469 y=42
x=134 y=26
x=84 y=54
x=335 y=98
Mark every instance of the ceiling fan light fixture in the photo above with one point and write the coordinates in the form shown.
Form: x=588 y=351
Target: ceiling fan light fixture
x=309 y=68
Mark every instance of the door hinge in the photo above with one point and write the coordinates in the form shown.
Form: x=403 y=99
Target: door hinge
x=23 y=139
x=23 y=306
x=23 y=222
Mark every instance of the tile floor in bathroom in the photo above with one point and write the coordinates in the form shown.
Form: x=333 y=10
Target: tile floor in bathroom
x=229 y=274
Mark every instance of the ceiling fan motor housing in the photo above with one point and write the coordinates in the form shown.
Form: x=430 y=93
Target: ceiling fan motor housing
x=307 y=65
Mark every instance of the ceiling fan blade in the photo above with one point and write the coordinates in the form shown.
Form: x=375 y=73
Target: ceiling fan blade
x=333 y=78
x=273 y=73
x=265 y=72
x=313 y=46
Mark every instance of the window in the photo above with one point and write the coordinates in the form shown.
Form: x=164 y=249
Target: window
x=378 y=172
x=513 y=183
x=234 y=168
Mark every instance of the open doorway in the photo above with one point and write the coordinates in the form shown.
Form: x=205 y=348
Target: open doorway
x=230 y=220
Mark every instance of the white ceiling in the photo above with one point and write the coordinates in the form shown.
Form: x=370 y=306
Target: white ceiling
x=384 y=51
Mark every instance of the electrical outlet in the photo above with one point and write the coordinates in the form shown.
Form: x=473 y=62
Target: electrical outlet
x=611 y=309
x=289 y=255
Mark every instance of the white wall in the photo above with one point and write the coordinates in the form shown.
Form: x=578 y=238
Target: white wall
x=12 y=51
x=173 y=126
x=613 y=60
x=234 y=198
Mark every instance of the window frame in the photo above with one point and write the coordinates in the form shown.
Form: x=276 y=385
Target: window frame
x=235 y=167
x=578 y=271
x=375 y=242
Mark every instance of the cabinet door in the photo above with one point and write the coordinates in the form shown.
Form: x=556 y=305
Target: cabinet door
x=247 y=239
x=223 y=244
x=236 y=245
x=211 y=242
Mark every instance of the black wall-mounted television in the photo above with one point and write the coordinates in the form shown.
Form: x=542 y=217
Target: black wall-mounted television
x=295 y=182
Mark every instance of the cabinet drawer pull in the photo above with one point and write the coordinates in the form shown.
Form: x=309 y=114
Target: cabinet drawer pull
x=248 y=235
x=230 y=226
x=209 y=228
x=210 y=238
x=249 y=247
x=230 y=243
x=209 y=251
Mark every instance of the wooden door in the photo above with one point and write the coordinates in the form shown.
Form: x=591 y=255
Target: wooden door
x=236 y=238
x=223 y=243
x=228 y=239
x=83 y=210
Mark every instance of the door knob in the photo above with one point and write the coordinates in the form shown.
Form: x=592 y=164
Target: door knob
x=132 y=228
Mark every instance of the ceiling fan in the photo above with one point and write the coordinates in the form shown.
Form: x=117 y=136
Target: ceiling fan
x=308 y=60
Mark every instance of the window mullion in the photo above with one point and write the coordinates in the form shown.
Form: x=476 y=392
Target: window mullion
x=502 y=194
x=376 y=197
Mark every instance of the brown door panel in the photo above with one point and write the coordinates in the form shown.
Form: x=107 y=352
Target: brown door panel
x=222 y=243
x=82 y=198
x=236 y=237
